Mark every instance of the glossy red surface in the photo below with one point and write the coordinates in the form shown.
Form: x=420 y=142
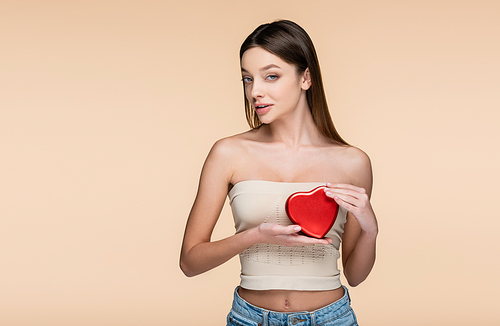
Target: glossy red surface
x=314 y=211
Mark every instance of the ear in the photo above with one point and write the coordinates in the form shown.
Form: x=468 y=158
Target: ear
x=306 y=80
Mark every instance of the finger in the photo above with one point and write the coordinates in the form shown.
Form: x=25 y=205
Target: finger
x=325 y=241
x=346 y=186
x=355 y=201
x=295 y=229
x=354 y=198
x=346 y=197
x=302 y=239
x=313 y=240
x=344 y=191
x=290 y=229
x=329 y=240
x=345 y=204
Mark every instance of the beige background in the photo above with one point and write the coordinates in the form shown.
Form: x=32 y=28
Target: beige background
x=108 y=109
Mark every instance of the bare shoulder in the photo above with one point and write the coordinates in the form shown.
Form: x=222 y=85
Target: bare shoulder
x=226 y=155
x=230 y=147
x=356 y=159
x=356 y=166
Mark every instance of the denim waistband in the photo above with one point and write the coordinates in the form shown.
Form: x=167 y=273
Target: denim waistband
x=269 y=317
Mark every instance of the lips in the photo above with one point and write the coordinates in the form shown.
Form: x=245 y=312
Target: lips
x=262 y=108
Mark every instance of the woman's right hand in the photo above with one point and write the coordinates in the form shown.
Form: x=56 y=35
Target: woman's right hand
x=286 y=235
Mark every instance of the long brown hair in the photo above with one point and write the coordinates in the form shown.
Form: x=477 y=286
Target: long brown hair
x=290 y=42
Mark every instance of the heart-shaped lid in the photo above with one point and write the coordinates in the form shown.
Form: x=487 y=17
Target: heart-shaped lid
x=313 y=210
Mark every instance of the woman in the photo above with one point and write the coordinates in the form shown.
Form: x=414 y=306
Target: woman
x=287 y=277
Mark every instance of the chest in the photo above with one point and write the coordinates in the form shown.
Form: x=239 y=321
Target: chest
x=258 y=201
x=292 y=166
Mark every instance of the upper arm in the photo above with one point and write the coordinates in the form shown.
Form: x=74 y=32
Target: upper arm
x=360 y=175
x=212 y=191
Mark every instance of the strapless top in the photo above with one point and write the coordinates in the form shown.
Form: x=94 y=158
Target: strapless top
x=269 y=266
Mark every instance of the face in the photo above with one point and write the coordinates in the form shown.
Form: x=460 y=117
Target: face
x=273 y=87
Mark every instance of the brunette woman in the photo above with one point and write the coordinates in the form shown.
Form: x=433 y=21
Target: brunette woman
x=287 y=278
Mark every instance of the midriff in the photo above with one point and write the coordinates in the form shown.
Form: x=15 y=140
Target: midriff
x=289 y=300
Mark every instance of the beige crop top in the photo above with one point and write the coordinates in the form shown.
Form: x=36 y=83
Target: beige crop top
x=269 y=266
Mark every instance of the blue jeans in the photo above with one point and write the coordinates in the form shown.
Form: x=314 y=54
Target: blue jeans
x=338 y=313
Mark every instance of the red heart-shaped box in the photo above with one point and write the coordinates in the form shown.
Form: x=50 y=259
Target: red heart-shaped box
x=313 y=210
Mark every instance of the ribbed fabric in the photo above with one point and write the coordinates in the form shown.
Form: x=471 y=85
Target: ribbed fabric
x=269 y=266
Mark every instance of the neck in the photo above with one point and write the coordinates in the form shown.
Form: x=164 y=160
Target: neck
x=294 y=130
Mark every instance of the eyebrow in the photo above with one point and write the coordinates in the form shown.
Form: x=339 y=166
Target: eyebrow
x=272 y=65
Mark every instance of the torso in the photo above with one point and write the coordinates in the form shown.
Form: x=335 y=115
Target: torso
x=255 y=158
x=291 y=301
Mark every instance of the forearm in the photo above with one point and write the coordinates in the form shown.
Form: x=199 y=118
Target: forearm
x=207 y=255
x=361 y=260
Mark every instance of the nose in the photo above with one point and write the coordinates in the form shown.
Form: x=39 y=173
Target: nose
x=257 y=90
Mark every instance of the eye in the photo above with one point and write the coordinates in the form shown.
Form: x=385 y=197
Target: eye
x=271 y=77
x=246 y=80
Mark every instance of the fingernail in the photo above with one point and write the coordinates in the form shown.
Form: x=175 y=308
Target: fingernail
x=297 y=228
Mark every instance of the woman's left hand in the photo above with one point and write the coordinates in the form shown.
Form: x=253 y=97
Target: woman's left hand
x=356 y=201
